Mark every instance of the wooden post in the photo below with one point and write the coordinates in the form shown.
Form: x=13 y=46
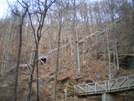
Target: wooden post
x=75 y=98
x=109 y=97
x=95 y=87
x=106 y=86
x=133 y=57
x=66 y=94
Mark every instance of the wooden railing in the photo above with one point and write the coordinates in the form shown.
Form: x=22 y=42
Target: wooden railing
x=114 y=85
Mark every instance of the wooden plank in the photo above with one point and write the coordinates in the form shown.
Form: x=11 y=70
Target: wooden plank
x=81 y=88
x=100 y=86
x=110 y=86
x=91 y=87
x=127 y=54
x=120 y=85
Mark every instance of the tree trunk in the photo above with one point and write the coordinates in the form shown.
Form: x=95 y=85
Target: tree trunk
x=58 y=50
x=18 y=61
x=57 y=63
x=31 y=74
x=6 y=50
x=109 y=58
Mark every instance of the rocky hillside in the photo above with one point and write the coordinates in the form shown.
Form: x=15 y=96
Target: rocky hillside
x=98 y=51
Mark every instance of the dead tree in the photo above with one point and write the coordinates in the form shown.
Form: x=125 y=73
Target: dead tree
x=38 y=9
x=58 y=46
x=21 y=16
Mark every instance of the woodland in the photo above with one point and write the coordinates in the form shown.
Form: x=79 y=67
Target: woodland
x=47 y=46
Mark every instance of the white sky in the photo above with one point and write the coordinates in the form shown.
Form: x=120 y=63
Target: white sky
x=4 y=7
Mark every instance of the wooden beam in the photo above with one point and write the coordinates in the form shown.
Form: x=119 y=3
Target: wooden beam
x=127 y=54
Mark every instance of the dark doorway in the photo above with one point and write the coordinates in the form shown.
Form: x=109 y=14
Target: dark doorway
x=43 y=61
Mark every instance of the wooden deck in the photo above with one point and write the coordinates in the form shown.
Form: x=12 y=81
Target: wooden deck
x=114 y=85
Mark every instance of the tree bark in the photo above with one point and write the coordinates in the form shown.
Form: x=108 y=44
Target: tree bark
x=57 y=63
x=58 y=51
x=19 y=50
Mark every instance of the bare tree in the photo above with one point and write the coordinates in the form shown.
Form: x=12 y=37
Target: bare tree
x=39 y=13
x=115 y=52
x=21 y=16
x=59 y=4
x=75 y=23
x=109 y=58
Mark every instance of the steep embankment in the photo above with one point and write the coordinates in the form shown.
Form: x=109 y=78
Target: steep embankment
x=94 y=64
